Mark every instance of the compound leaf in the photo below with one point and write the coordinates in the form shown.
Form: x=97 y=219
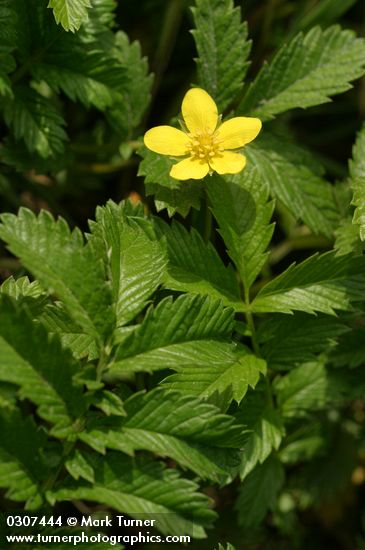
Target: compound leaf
x=70 y=13
x=322 y=283
x=258 y=493
x=296 y=180
x=21 y=470
x=36 y=120
x=174 y=334
x=241 y=208
x=40 y=367
x=306 y=72
x=226 y=368
x=139 y=486
x=265 y=430
x=197 y=435
x=195 y=266
x=223 y=48
x=63 y=265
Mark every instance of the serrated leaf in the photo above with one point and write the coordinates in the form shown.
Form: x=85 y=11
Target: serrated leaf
x=289 y=340
x=134 y=259
x=26 y=293
x=63 y=264
x=78 y=467
x=37 y=121
x=305 y=389
x=347 y=237
x=173 y=334
x=195 y=266
x=295 y=179
x=226 y=368
x=322 y=283
x=137 y=486
x=258 y=493
x=265 y=430
x=358 y=188
x=56 y=320
x=197 y=436
x=306 y=72
x=40 y=367
x=126 y=114
x=241 y=208
x=83 y=71
x=223 y=48
x=357 y=163
x=21 y=470
x=169 y=193
x=70 y=13
x=350 y=351
x=357 y=182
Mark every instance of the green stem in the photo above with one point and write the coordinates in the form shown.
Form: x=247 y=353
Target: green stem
x=167 y=41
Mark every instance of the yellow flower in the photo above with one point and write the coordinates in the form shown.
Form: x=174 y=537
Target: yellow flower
x=206 y=143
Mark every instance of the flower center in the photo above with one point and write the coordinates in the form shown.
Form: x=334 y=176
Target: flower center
x=204 y=145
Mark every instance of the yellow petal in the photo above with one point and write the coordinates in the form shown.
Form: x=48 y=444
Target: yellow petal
x=166 y=140
x=189 y=169
x=238 y=131
x=199 y=111
x=228 y=163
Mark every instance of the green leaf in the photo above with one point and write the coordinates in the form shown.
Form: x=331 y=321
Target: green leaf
x=174 y=334
x=225 y=368
x=322 y=283
x=78 y=467
x=288 y=340
x=136 y=486
x=83 y=71
x=305 y=389
x=347 y=236
x=38 y=364
x=227 y=547
x=26 y=293
x=70 y=13
x=197 y=436
x=195 y=266
x=357 y=163
x=258 y=493
x=36 y=120
x=58 y=321
x=350 y=351
x=265 y=429
x=306 y=72
x=295 y=179
x=358 y=188
x=21 y=470
x=134 y=258
x=241 y=208
x=357 y=182
x=175 y=196
x=63 y=264
x=223 y=48
x=126 y=114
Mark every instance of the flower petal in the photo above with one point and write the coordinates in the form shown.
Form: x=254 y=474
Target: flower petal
x=228 y=163
x=166 y=140
x=189 y=168
x=199 y=111
x=238 y=131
